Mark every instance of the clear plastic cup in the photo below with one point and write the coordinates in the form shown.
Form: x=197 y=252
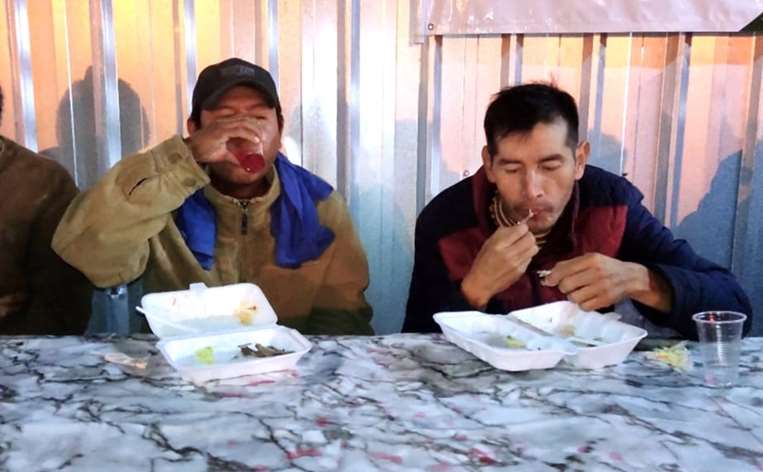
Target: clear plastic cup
x=720 y=338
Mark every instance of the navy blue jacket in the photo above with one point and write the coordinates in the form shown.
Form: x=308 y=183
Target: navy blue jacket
x=604 y=215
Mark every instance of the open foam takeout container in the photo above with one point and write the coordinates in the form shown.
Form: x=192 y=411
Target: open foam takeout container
x=485 y=336
x=221 y=318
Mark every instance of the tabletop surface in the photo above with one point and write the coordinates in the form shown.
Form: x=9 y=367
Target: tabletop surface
x=396 y=402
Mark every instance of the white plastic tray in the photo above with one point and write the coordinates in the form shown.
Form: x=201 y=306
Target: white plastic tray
x=202 y=310
x=485 y=336
x=180 y=352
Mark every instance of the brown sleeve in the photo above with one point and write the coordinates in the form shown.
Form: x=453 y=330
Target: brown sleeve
x=105 y=232
x=340 y=304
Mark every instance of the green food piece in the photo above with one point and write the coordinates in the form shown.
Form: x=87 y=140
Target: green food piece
x=514 y=343
x=206 y=355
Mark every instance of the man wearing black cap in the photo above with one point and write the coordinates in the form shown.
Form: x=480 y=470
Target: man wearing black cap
x=225 y=206
x=39 y=293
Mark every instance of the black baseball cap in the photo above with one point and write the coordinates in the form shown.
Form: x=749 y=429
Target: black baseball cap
x=217 y=79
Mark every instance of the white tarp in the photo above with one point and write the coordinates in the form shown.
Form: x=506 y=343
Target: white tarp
x=461 y=17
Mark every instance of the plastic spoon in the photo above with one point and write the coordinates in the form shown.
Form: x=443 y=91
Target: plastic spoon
x=541 y=331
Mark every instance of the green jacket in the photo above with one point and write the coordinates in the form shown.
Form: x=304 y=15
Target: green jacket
x=39 y=293
x=123 y=228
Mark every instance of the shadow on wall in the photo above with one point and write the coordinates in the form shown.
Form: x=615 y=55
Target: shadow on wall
x=710 y=228
x=113 y=310
x=76 y=131
x=606 y=153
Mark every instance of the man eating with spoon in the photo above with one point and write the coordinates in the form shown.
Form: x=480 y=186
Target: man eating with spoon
x=536 y=225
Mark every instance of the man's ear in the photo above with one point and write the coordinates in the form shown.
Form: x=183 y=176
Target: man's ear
x=487 y=163
x=190 y=125
x=581 y=158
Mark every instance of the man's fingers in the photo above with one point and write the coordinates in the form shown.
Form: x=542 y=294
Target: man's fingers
x=577 y=280
x=565 y=269
x=515 y=243
x=595 y=303
x=240 y=130
x=507 y=235
x=584 y=294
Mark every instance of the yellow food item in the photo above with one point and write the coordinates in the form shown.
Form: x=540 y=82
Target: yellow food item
x=205 y=355
x=567 y=330
x=676 y=356
x=245 y=314
x=514 y=343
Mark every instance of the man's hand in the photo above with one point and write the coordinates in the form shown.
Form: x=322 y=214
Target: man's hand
x=595 y=281
x=209 y=144
x=500 y=262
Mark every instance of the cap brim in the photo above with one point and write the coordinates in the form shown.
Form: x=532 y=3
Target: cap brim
x=212 y=99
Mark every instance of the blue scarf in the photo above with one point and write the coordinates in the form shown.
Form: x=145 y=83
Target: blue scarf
x=294 y=222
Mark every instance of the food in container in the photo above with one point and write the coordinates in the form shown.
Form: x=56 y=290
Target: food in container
x=502 y=343
x=563 y=331
x=221 y=332
x=227 y=360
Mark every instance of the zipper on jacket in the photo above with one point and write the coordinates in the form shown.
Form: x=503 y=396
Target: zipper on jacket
x=244 y=216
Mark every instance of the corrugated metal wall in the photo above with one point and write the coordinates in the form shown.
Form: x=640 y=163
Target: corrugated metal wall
x=392 y=119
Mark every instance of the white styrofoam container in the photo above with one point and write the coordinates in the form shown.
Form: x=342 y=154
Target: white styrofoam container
x=203 y=317
x=202 y=310
x=180 y=352
x=485 y=336
x=618 y=338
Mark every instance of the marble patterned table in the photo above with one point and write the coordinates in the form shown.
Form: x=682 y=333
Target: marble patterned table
x=399 y=402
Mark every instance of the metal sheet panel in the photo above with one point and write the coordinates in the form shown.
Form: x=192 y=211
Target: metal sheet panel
x=76 y=108
x=319 y=88
x=44 y=63
x=7 y=81
x=377 y=186
x=459 y=17
x=747 y=256
x=21 y=71
x=642 y=129
x=716 y=112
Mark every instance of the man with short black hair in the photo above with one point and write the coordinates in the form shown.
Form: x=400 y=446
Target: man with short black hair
x=39 y=293
x=225 y=206
x=536 y=225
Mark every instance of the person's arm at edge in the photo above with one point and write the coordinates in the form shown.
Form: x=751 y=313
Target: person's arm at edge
x=59 y=295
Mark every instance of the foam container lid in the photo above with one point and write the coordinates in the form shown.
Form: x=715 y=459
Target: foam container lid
x=201 y=310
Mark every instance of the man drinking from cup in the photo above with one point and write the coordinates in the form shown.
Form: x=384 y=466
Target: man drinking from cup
x=225 y=206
